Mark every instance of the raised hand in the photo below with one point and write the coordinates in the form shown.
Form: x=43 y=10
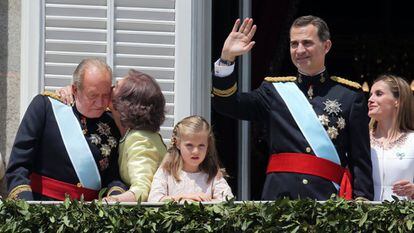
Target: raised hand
x=239 y=41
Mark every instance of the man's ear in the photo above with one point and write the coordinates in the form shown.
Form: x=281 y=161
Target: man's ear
x=327 y=46
x=74 y=90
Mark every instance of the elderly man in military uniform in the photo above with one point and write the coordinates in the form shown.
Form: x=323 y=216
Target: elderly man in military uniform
x=63 y=150
x=318 y=124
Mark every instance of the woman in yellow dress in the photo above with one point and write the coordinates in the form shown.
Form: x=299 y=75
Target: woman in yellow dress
x=138 y=110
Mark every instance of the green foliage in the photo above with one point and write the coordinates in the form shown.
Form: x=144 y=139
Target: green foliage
x=335 y=215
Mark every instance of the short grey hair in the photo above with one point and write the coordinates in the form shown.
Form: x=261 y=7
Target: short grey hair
x=79 y=73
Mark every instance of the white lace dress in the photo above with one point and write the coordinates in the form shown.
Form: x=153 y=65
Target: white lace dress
x=390 y=164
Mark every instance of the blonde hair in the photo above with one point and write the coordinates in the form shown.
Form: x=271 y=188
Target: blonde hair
x=403 y=93
x=173 y=162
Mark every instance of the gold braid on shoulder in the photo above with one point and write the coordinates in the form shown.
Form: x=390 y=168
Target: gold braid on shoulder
x=281 y=79
x=52 y=95
x=346 y=82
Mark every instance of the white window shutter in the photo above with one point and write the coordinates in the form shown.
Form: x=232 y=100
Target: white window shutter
x=144 y=39
x=73 y=30
x=126 y=33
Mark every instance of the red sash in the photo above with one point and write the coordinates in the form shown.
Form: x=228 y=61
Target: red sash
x=312 y=165
x=57 y=189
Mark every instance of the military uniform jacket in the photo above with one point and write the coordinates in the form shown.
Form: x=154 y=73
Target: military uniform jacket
x=340 y=107
x=39 y=148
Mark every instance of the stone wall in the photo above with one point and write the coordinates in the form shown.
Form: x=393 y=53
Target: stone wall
x=10 y=18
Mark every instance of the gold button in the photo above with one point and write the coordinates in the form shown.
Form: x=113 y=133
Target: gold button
x=308 y=149
x=79 y=185
x=305 y=181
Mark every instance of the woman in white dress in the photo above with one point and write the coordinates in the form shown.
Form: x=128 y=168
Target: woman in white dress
x=391 y=107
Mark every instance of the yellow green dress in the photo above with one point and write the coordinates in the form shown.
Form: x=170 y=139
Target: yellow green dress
x=140 y=154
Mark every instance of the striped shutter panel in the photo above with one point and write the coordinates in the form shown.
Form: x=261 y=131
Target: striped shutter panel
x=74 y=29
x=144 y=39
x=126 y=33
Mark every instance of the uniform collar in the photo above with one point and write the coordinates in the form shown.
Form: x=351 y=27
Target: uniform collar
x=314 y=80
x=311 y=85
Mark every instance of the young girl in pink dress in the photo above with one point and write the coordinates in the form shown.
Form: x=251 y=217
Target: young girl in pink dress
x=190 y=170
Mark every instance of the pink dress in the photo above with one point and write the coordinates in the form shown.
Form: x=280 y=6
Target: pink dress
x=164 y=185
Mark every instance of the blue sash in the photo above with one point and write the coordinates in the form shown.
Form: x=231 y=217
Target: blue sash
x=76 y=145
x=309 y=124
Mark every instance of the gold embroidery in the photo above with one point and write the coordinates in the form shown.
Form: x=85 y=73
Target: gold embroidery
x=346 y=82
x=52 y=95
x=19 y=189
x=281 y=79
x=225 y=93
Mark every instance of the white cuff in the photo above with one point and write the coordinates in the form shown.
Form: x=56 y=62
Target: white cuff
x=222 y=70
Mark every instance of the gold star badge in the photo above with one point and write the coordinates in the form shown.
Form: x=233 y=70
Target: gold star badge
x=105 y=150
x=324 y=119
x=332 y=132
x=341 y=123
x=95 y=139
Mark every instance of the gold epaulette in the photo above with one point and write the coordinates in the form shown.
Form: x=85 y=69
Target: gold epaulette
x=52 y=94
x=225 y=93
x=346 y=82
x=115 y=189
x=19 y=189
x=281 y=79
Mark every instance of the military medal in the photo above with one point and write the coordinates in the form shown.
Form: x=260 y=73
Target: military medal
x=105 y=150
x=341 y=123
x=324 y=119
x=332 y=132
x=103 y=164
x=104 y=129
x=95 y=139
x=83 y=125
x=112 y=142
x=310 y=92
x=332 y=107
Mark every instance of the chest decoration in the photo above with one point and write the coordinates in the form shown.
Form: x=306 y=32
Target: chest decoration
x=331 y=119
x=102 y=138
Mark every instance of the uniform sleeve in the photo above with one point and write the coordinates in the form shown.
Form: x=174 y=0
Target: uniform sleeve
x=226 y=100
x=221 y=189
x=159 y=186
x=113 y=180
x=25 y=149
x=359 y=154
x=143 y=160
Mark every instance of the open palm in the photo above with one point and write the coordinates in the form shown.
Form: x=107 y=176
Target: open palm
x=239 y=40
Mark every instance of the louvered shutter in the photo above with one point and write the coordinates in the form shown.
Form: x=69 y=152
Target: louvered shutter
x=144 y=39
x=126 y=33
x=73 y=30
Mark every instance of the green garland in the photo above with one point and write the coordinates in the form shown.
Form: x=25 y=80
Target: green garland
x=278 y=216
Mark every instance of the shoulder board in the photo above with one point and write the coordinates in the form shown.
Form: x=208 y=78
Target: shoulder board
x=346 y=82
x=52 y=95
x=281 y=79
